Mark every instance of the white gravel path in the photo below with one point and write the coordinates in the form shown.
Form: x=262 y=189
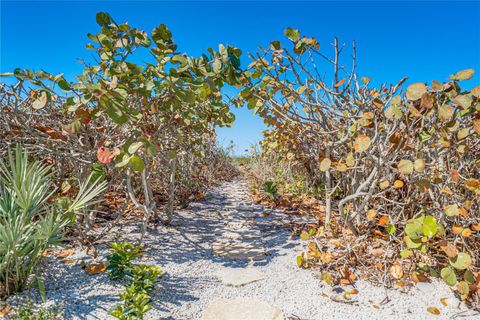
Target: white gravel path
x=191 y=281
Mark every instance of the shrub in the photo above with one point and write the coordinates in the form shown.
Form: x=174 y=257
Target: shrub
x=141 y=281
x=120 y=258
x=30 y=221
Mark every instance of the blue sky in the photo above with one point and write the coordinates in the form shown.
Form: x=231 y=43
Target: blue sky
x=422 y=40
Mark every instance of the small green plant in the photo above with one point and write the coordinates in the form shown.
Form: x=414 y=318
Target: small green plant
x=270 y=189
x=120 y=258
x=144 y=277
x=135 y=304
x=141 y=281
x=28 y=312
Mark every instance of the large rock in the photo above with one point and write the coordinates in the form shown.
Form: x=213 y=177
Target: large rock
x=238 y=250
x=239 y=277
x=241 y=309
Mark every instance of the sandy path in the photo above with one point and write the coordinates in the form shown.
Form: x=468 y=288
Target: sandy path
x=195 y=276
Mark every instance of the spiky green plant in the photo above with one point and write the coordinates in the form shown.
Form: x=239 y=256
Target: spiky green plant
x=29 y=222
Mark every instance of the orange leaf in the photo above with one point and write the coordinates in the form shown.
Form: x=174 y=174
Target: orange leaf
x=65 y=253
x=398 y=184
x=95 y=268
x=383 y=220
x=5 y=310
x=457 y=229
x=466 y=233
x=447 y=191
x=433 y=310
x=449 y=249
x=339 y=83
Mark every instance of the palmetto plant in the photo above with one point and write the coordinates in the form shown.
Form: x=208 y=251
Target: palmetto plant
x=30 y=222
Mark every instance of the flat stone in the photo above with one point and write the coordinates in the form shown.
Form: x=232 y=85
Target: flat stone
x=238 y=250
x=241 y=309
x=239 y=277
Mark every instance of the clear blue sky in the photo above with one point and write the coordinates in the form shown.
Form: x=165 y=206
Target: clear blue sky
x=424 y=40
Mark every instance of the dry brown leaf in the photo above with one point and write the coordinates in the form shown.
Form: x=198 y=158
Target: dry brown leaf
x=449 y=250
x=64 y=253
x=68 y=261
x=396 y=271
x=443 y=301
x=95 y=268
x=371 y=214
x=433 y=310
x=326 y=257
x=5 y=310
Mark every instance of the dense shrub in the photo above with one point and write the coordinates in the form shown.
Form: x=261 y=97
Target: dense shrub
x=152 y=126
x=376 y=155
x=30 y=220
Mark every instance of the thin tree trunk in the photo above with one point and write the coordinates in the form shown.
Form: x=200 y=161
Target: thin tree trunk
x=171 y=190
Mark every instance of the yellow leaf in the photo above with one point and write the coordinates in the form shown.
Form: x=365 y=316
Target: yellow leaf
x=398 y=184
x=415 y=91
x=384 y=184
x=371 y=214
x=443 y=301
x=325 y=164
x=396 y=271
x=362 y=143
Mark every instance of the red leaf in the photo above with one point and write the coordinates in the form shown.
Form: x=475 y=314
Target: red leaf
x=104 y=155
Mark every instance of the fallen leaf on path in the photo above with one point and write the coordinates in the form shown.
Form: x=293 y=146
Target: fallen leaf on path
x=5 y=310
x=433 y=310
x=443 y=301
x=95 y=268
x=64 y=253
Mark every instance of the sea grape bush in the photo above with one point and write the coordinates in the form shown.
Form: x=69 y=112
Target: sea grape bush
x=408 y=161
x=149 y=120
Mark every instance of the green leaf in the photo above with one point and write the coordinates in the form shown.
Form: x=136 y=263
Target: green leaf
x=462 y=261
x=103 y=18
x=136 y=164
x=405 y=253
x=161 y=35
x=64 y=85
x=429 y=226
x=451 y=210
x=448 y=275
x=413 y=243
x=41 y=288
x=405 y=167
x=116 y=115
x=292 y=34
x=391 y=229
x=134 y=147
